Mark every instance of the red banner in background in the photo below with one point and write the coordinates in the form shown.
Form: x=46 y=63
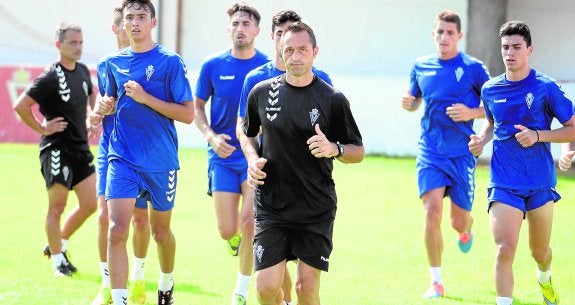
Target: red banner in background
x=13 y=81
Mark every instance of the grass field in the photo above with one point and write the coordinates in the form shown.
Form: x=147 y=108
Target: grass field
x=378 y=253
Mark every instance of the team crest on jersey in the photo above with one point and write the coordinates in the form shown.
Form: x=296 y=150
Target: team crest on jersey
x=529 y=99
x=149 y=72
x=313 y=115
x=458 y=73
x=64 y=91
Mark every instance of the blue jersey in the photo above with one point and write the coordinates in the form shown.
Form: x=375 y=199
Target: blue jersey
x=265 y=72
x=221 y=78
x=442 y=83
x=142 y=137
x=532 y=102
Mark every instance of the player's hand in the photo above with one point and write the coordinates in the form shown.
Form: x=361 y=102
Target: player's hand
x=106 y=105
x=255 y=173
x=95 y=119
x=57 y=124
x=526 y=137
x=320 y=146
x=475 y=145
x=93 y=130
x=220 y=145
x=407 y=101
x=565 y=160
x=135 y=91
x=458 y=112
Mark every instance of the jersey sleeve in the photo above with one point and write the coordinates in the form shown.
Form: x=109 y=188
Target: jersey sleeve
x=343 y=126
x=481 y=76
x=251 y=124
x=41 y=88
x=110 y=84
x=486 y=104
x=324 y=76
x=102 y=74
x=413 y=84
x=180 y=89
x=560 y=106
x=246 y=88
x=204 y=88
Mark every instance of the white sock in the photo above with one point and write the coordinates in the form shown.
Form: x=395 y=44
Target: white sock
x=166 y=281
x=503 y=301
x=544 y=276
x=435 y=273
x=57 y=260
x=137 y=268
x=242 y=283
x=287 y=303
x=105 y=274
x=64 y=244
x=120 y=296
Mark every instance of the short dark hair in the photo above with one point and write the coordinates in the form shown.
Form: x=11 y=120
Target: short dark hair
x=516 y=27
x=118 y=16
x=449 y=16
x=137 y=4
x=299 y=26
x=283 y=17
x=64 y=27
x=244 y=7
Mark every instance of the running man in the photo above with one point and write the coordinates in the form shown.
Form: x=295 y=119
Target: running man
x=449 y=83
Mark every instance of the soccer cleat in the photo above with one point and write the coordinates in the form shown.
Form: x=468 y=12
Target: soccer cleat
x=48 y=254
x=435 y=291
x=550 y=296
x=166 y=298
x=104 y=296
x=137 y=292
x=238 y=299
x=63 y=270
x=465 y=241
x=234 y=244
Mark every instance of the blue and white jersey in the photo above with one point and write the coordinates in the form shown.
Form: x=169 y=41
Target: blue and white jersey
x=146 y=139
x=532 y=102
x=442 y=83
x=221 y=78
x=265 y=72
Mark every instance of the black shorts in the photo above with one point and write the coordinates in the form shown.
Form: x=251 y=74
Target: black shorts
x=276 y=241
x=65 y=166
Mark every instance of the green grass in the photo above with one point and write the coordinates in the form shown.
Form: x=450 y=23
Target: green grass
x=378 y=253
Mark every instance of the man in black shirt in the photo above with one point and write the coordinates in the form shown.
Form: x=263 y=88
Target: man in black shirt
x=305 y=124
x=63 y=92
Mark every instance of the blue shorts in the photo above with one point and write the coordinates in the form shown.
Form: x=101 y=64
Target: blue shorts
x=521 y=199
x=457 y=175
x=125 y=182
x=102 y=171
x=226 y=177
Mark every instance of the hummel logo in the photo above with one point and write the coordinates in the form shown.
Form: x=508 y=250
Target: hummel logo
x=272 y=117
x=324 y=259
x=429 y=73
x=55 y=162
x=64 y=90
x=227 y=77
x=125 y=300
x=272 y=102
x=123 y=71
x=503 y=100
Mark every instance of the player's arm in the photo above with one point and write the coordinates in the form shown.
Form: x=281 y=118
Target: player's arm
x=459 y=112
x=255 y=163
x=478 y=141
x=217 y=141
x=183 y=112
x=410 y=102
x=23 y=108
x=566 y=158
